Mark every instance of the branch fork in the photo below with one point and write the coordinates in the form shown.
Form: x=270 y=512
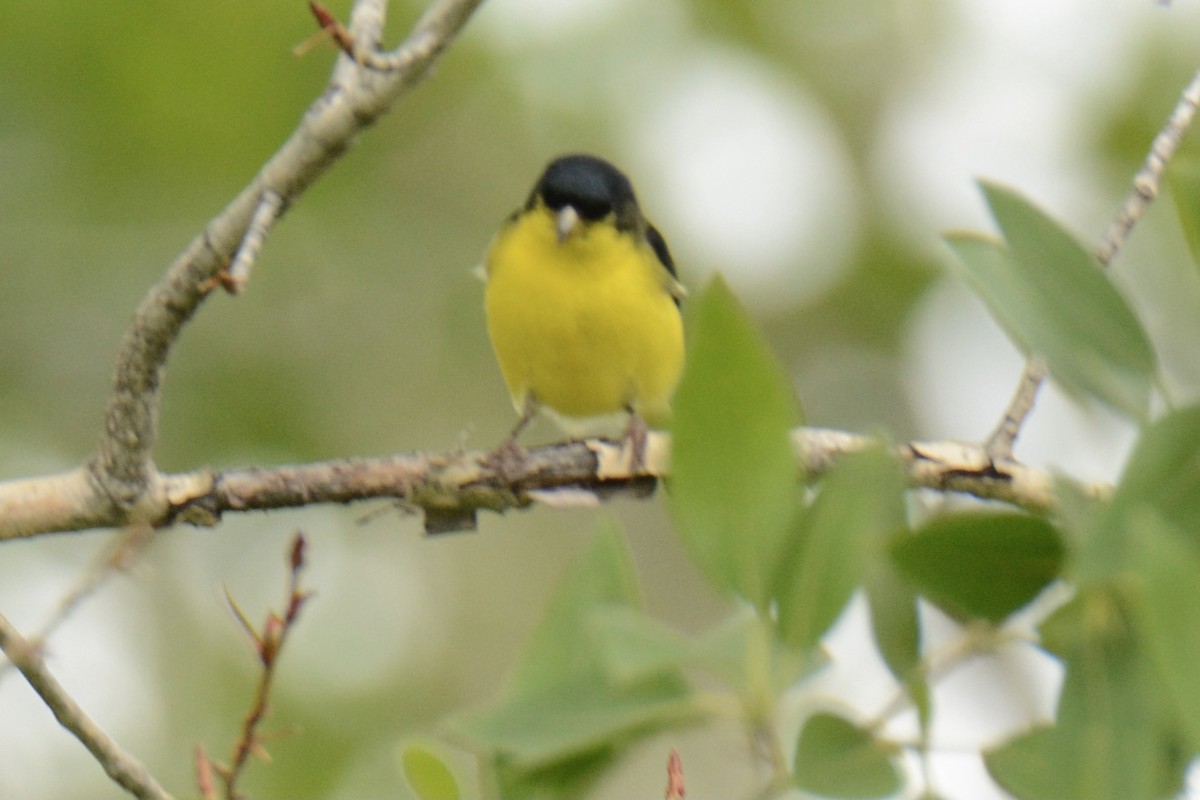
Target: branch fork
x=1143 y=192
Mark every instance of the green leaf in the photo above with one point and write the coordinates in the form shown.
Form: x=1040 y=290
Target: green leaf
x=1052 y=298
x=604 y=576
x=1110 y=741
x=568 y=721
x=992 y=272
x=1112 y=355
x=1166 y=608
x=568 y=704
x=896 y=627
x=428 y=774
x=1183 y=176
x=733 y=475
x=981 y=565
x=894 y=623
x=860 y=502
x=566 y=779
x=1163 y=472
x=745 y=653
x=838 y=759
x=634 y=645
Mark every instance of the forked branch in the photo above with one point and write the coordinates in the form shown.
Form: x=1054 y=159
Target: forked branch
x=122 y=473
x=1145 y=189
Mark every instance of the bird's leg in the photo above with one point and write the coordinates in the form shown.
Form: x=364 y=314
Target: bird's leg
x=635 y=437
x=509 y=457
x=531 y=407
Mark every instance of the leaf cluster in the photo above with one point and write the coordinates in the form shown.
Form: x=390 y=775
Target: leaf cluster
x=601 y=674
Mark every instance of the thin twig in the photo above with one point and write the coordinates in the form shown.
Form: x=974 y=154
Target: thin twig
x=675 y=787
x=268 y=644
x=999 y=445
x=122 y=767
x=1148 y=179
x=450 y=488
x=270 y=208
x=204 y=774
x=117 y=556
x=361 y=43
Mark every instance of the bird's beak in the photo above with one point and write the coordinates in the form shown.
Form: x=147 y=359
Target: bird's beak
x=566 y=222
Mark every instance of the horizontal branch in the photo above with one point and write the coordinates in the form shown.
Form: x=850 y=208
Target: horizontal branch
x=449 y=489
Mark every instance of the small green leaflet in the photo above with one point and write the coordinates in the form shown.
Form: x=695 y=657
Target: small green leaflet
x=836 y=758
x=981 y=565
x=427 y=772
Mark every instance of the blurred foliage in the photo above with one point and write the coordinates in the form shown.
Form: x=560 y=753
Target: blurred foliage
x=125 y=128
x=1125 y=724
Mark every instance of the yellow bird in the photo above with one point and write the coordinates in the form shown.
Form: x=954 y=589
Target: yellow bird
x=582 y=302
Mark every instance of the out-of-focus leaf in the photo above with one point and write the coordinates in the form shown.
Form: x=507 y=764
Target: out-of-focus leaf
x=991 y=271
x=981 y=565
x=894 y=623
x=1163 y=475
x=733 y=476
x=1164 y=472
x=1183 y=177
x=1166 y=608
x=860 y=503
x=576 y=700
x=836 y=758
x=1109 y=741
x=634 y=645
x=429 y=776
x=745 y=653
x=566 y=721
x=1113 y=358
x=565 y=779
x=1052 y=298
x=604 y=576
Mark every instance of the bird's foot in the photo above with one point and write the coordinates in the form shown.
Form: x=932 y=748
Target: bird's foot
x=509 y=459
x=635 y=440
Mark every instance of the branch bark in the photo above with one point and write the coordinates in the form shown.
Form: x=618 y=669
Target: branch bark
x=449 y=489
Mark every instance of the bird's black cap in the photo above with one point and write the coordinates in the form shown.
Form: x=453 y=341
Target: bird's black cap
x=595 y=189
x=592 y=186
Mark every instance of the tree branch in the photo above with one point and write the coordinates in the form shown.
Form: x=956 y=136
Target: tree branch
x=122 y=471
x=268 y=211
x=1145 y=189
x=451 y=488
x=123 y=768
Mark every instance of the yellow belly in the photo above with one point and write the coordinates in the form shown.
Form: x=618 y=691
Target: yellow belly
x=588 y=327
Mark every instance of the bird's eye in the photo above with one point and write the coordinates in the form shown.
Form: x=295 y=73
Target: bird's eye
x=554 y=199
x=590 y=208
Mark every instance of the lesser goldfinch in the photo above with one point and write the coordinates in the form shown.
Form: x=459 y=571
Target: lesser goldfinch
x=582 y=301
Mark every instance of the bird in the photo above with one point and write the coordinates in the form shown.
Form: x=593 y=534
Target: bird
x=582 y=301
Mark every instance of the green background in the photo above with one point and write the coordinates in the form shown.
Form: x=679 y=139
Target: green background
x=125 y=127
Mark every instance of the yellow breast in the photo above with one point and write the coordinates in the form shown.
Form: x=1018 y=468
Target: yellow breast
x=588 y=326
